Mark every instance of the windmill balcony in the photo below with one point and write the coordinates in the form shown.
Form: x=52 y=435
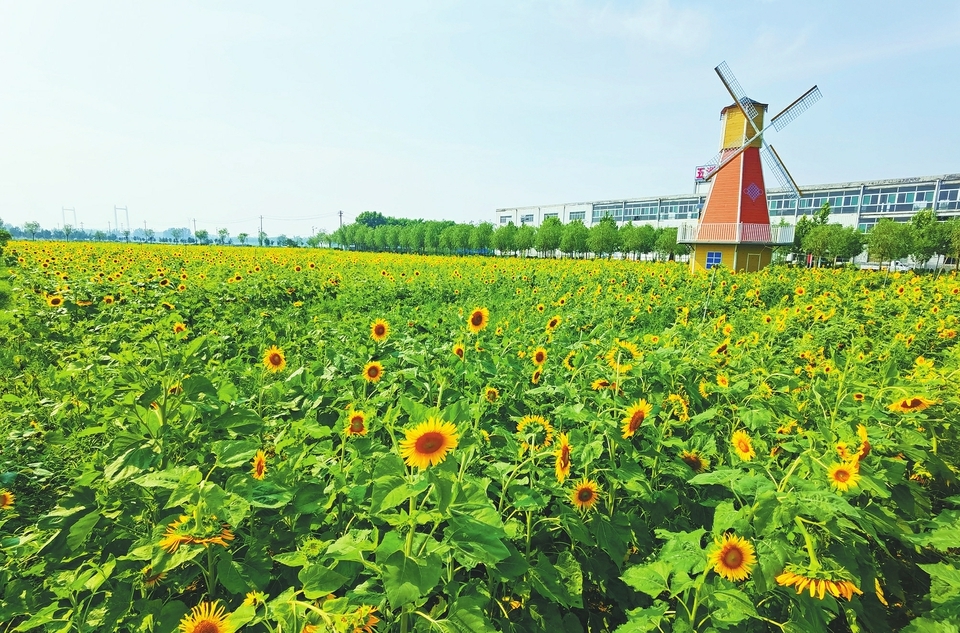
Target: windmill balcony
x=735 y=233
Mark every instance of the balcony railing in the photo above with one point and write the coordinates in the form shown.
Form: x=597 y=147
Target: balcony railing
x=735 y=233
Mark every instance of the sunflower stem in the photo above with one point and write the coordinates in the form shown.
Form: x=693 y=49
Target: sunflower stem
x=808 y=541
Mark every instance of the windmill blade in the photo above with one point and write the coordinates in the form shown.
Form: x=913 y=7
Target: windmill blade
x=739 y=96
x=724 y=158
x=795 y=109
x=775 y=165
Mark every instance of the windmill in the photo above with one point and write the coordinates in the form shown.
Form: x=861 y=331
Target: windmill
x=734 y=228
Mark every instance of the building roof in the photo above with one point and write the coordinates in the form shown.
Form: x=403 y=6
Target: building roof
x=756 y=104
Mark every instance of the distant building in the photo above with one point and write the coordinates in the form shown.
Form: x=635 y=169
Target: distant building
x=859 y=204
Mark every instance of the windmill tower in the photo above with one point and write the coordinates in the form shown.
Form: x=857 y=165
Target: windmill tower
x=734 y=228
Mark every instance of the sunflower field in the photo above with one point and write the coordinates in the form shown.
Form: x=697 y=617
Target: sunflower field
x=214 y=439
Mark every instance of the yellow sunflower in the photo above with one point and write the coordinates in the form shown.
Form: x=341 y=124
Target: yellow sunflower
x=356 y=423
x=535 y=432
x=54 y=301
x=535 y=378
x=585 y=494
x=844 y=476
x=818 y=587
x=695 y=460
x=491 y=394
x=274 y=360
x=6 y=500
x=373 y=371
x=562 y=467
x=206 y=617
x=478 y=319
x=459 y=350
x=379 y=330
x=428 y=443
x=733 y=557
x=179 y=328
x=909 y=405
x=722 y=381
x=743 y=445
x=620 y=352
x=259 y=465
x=568 y=361
x=539 y=356
x=635 y=416
x=599 y=384
x=553 y=323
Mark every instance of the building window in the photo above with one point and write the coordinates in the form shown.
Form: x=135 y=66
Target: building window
x=713 y=259
x=578 y=215
x=550 y=215
x=504 y=219
x=528 y=218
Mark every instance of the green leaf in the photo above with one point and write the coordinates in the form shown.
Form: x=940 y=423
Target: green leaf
x=571 y=576
x=644 y=620
x=401 y=580
x=651 y=578
x=389 y=485
x=239 y=421
x=318 y=581
x=476 y=542
x=546 y=581
x=169 y=478
x=234 y=453
x=730 y=606
x=81 y=530
x=186 y=488
x=683 y=550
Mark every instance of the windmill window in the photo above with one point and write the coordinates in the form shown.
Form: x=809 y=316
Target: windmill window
x=714 y=258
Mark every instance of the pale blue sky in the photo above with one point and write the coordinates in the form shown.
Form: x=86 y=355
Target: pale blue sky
x=223 y=111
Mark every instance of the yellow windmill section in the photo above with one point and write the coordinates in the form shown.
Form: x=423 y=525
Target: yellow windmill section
x=736 y=130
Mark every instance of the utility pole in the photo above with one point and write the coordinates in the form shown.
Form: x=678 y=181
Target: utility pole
x=64 y=210
x=341 y=219
x=260 y=235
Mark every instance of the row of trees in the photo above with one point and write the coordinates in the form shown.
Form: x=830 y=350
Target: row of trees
x=921 y=239
x=176 y=235
x=374 y=232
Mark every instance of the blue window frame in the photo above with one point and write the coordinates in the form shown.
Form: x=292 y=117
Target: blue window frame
x=713 y=259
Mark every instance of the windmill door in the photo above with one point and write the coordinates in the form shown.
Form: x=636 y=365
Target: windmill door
x=753 y=262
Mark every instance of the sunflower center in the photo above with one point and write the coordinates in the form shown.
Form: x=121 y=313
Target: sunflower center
x=380 y=330
x=733 y=558
x=636 y=420
x=841 y=475
x=539 y=358
x=275 y=359
x=915 y=402
x=356 y=424
x=476 y=319
x=206 y=626
x=430 y=442
x=743 y=446
x=584 y=495
x=373 y=372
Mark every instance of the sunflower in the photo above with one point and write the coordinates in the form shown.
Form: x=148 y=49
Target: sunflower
x=562 y=454
x=151 y=579
x=174 y=537
x=553 y=323
x=909 y=405
x=373 y=371
x=733 y=557
x=177 y=534
x=568 y=361
x=843 y=450
x=722 y=381
x=459 y=350
x=743 y=445
x=478 y=319
x=491 y=394
x=428 y=443
x=539 y=357
x=678 y=405
x=619 y=352
x=695 y=460
x=379 y=330
x=259 y=465
x=845 y=475
x=108 y=299
x=179 y=328
x=539 y=435
x=585 y=494
x=274 y=360
x=54 y=301
x=535 y=378
x=206 y=617
x=6 y=500
x=818 y=587
x=356 y=423
x=858 y=397
x=864 y=442
x=721 y=349
x=635 y=416
x=599 y=384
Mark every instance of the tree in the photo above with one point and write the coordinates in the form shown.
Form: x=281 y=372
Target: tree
x=371 y=219
x=889 y=240
x=481 y=237
x=952 y=229
x=846 y=242
x=574 y=240
x=930 y=237
x=817 y=241
x=223 y=235
x=32 y=228
x=149 y=234
x=604 y=237
x=242 y=238
x=67 y=230
x=177 y=234
x=637 y=239
x=262 y=239
x=504 y=239
x=548 y=236
x=201 y=235
x=523 y=241
x=666 y=244
x=99 y=235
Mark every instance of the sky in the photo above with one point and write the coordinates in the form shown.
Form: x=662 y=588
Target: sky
x=219 y=112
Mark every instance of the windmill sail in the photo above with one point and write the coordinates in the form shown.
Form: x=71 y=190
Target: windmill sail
x=795 y=109
x=739 y=96
x=779 y=170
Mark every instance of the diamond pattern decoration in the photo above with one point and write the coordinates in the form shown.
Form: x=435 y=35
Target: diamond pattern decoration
x=753 y=191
